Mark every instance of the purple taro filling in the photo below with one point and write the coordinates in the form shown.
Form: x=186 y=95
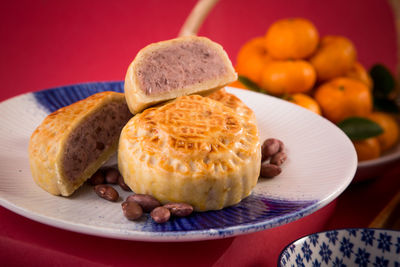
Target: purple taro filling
x=100 y=131
x=176 y=67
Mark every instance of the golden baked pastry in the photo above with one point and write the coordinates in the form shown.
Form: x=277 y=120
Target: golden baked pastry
x=169 y=69
x=234 y=103
x=74 y=141
x=194 y=150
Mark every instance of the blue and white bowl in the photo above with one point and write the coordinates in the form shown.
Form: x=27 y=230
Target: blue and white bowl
x=346 y=247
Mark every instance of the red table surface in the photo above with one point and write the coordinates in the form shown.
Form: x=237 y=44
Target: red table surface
x=45 y=44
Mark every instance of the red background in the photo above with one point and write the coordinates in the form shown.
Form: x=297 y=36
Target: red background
x=45 y=44
x=50 y=43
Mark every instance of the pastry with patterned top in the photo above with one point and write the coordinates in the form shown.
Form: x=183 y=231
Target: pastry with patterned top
x=234 y=103
x=194 y=150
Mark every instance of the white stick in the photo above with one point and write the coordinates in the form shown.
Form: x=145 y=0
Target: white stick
x=196 y=17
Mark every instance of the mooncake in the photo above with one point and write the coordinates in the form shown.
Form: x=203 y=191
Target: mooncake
x=73 y=142
x=193 y=149
x=165 y=70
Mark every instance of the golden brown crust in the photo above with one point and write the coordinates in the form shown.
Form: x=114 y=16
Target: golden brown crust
x=46 y=146
x=138 y=97
x=194 y=150
x=234 y=103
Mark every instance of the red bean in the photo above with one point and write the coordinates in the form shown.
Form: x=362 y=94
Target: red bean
x=278 y=159
x=122 y=183
x=270 y=147
x=132 y=210
x=112 y=176
x=147 y=202
x=269 y=170
x=281 y=145
x=106 y=192
x=160 y=214
x=97 y=178
x=179 y=209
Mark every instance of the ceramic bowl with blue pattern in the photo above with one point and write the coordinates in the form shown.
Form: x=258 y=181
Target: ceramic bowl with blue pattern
x=359 y=247
x=321 y=164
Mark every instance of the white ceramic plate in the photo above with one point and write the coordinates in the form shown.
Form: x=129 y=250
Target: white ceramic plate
x=321 y=164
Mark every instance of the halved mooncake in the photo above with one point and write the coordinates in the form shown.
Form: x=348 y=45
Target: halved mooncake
x=74 y=141
x=169 y=69
x=194 y=150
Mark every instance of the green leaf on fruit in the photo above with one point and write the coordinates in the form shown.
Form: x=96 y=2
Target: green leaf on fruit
x=251 y=85
x=357 y=128
x=384 y=83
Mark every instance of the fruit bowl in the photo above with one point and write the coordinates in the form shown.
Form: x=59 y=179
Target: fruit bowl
x=370 y=169
x=358 y=100
x=345 y=247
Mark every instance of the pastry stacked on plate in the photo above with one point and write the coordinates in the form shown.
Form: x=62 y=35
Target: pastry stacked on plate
x=184 y=140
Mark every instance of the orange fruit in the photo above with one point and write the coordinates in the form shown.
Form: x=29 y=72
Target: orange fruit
x=252 y=58
x=367 y=149
x=390 y=127
x=295 y=38
x=335 y=56
x=342 y=98
x=287 y=77
x=305 y=101
x=358 y=72
x=237 y=84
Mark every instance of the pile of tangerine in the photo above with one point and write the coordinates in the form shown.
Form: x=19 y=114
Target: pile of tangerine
x=321 y=74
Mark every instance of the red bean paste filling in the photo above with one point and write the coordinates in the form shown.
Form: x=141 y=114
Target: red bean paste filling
x=94 y=136
x=179 y=66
